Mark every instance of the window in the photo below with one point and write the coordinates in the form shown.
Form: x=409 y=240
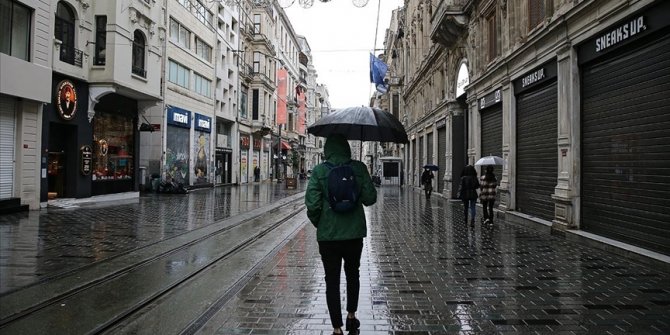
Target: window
x=185 y=3
x=203 y=50
x=257 y=62
x=179 y=34
x=257 y=23
x=203 y=15
x=492 y=40
x=138 y=54
x=536 y=12
x=243 y=105
x=15 y=26
x=254 y=104
x=112 y=147
x=179 y=74
x=203 y=86
x=100 y=40
x=65 y=32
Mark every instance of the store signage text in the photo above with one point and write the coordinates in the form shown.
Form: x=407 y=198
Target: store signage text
x=66 y=100
x=244 y=142
x=86 y=159
x=620 y=34
x=180 y=118
x=203 y=123
x=490 y=99
x=533 y=77
x=462 y=80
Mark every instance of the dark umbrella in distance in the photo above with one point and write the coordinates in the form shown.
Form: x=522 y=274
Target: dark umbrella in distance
x=361 y=124
x=431 y=167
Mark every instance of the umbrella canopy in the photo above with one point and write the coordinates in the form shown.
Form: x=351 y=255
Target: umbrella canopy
x=431 y=167
x=490 y=160
x=361 y=124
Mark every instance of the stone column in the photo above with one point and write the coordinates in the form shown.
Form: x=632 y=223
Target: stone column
x=507 y=178
x=566 y=193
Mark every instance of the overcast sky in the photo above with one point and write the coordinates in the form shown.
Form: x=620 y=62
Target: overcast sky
x=341 y=37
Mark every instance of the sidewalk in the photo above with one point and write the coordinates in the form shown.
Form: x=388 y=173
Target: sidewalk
x=40 y=244
x=424 y=271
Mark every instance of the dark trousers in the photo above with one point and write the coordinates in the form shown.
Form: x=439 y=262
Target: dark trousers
x=332 y=254
x=487 y=206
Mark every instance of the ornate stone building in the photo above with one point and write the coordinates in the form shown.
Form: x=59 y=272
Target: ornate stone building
x=570 y=93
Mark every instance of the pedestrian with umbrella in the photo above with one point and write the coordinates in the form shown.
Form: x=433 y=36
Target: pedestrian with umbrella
x=427 y=179
x=340 y=233
x=487 y=194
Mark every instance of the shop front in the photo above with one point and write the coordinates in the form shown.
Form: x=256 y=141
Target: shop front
x=202 y=138
x=7 y=144
x=536 y=165
x=114 y=145
x=177 y=146
x=625 y=127
x=244 y=158
x=65 y=131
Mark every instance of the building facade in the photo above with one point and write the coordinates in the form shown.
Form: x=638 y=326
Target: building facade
x=570 y=94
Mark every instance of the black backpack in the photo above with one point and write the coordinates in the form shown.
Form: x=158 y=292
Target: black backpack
x=343 y=191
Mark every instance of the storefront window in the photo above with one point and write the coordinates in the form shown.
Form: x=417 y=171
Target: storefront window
x=112 y=147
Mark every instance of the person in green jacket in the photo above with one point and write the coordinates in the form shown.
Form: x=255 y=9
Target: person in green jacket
x=340 y=235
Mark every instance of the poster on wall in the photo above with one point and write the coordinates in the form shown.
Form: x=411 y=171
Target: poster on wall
x=177 y=155
x=243 y=167
x=201 y=149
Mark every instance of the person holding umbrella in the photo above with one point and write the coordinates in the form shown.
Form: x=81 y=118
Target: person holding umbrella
x=487 y=194
x=340 y=234
x=427 y=181
x=467 y=192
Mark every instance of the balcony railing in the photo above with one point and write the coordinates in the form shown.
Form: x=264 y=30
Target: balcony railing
x=70 y=55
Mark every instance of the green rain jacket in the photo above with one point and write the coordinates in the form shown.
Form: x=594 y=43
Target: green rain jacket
x=330 y=225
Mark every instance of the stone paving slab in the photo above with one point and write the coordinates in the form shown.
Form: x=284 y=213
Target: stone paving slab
x=424 y=271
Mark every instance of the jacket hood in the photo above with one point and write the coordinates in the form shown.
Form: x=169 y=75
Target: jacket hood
x=337 y=149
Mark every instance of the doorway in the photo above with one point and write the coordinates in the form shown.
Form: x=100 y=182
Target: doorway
x=61 y=163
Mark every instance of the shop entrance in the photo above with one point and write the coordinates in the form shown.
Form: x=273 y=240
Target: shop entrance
x=62 y=140
x=223 y=165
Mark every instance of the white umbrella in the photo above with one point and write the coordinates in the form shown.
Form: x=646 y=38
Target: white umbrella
x=490 y=160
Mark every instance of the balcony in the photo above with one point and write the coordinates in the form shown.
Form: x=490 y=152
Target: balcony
x=71 y=55
x=450 y=21
x=262 y=78
x=246 y=72
x=260 y=39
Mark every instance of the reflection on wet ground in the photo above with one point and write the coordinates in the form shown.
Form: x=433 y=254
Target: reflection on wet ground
x=40 y=244
x=424 y=271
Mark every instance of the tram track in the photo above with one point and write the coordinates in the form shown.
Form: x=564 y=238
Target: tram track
x=100 y=297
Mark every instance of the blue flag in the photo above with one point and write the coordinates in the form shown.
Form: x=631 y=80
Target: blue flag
x=377 y=73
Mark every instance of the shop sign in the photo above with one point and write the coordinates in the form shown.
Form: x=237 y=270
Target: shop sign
x=179 y=117
x=86 y=159
x=462 y=80
x=490 y=99
x=257 y=144
x=624 y=32
x=244 y=141
x=66 y=100
x=203 y=123
x=535 y=77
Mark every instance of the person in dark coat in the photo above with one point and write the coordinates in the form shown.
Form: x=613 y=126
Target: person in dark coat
x=427 y=182
x=467 y=192
x=340 y=234
x=487 y=194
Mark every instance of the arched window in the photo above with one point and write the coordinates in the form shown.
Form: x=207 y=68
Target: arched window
x=138 y=54
x=65 y=31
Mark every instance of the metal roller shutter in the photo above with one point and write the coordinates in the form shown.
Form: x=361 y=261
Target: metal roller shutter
x=421 y=157
x=7 y=138
x=626 y=147
x=536 y=151
x=429 y=149
x=491 y=131
x=441 y=157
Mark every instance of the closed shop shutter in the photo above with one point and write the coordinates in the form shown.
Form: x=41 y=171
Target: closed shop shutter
x=536 y=151
x=421 y=157
x=625 y=173
x=7 y=139
x=441 y=157
x=491 y=131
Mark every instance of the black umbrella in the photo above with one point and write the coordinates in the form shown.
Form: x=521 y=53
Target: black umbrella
x=431 y=167
x=362 y=124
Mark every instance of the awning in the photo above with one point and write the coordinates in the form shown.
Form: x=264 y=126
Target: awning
x=285 y=145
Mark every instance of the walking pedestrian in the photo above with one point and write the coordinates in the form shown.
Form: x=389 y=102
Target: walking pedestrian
x=467 y=192
x=427 y=181
x=487 y=194
x=340 y=234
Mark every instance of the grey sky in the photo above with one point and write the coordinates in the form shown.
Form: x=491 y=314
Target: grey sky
x=341 y=37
